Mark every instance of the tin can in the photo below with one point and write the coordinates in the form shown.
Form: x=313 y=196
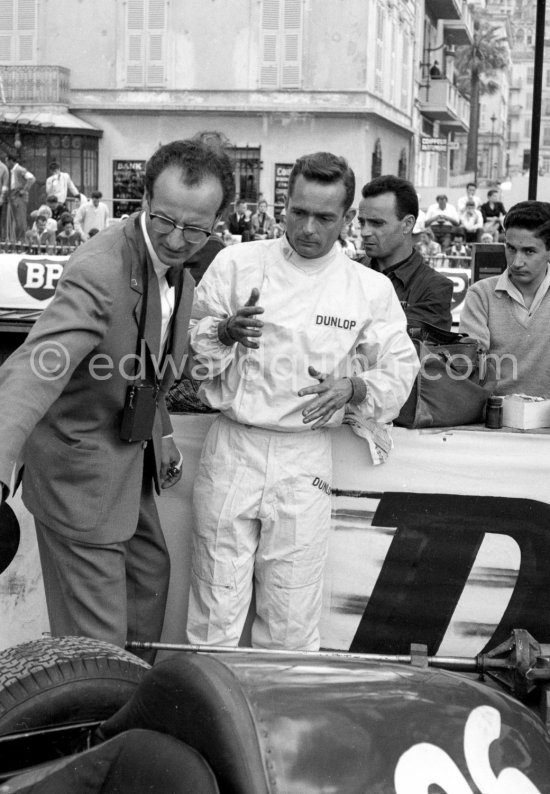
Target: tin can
x=493 y=412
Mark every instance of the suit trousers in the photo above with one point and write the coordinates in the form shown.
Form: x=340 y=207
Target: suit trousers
x=113 y=592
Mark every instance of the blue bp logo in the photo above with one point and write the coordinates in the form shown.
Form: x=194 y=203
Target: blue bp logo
x=39 y=277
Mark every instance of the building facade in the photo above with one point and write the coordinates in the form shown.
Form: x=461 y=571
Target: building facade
x=99 y=84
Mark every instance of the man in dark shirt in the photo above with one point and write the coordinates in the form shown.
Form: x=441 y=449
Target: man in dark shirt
x=387 y=214
x=493 y=213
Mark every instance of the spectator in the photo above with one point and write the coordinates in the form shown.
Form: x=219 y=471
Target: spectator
x=347 y=244
x=51 y=224
x=441 y=218
x=387 y=215
x=435 y=71
x=261 y=223
x=510 y=313
x=429 y=249
x=93 y=214
x=471 y=220
x=487 y=237
x=262 y=493
x=471 y=189
x=21 y=182
x=40 y=235
x=59 y=184
x=280 y=226
x=459 y=254
x=493 y=213
x=56 y=209
x=68 y=236
x=4 y=196
x=239 y=222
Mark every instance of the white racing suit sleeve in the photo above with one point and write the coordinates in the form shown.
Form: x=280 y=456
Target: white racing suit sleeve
x=385 y=361
x=211 y=306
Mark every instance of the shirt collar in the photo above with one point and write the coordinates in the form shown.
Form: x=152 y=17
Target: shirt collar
x=505 y=284
x=301 y=262
x=403 y=271
x=159 y=267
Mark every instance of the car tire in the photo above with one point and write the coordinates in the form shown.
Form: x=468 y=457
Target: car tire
x=63 y=680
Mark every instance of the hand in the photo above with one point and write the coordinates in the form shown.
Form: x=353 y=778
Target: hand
x=171 y=463
x=331 y=394
x=242 y=325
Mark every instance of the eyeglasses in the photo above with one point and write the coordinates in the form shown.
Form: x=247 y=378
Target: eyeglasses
x=191 y=234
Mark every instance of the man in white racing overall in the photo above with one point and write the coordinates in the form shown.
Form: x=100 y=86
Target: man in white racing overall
x=285 y=333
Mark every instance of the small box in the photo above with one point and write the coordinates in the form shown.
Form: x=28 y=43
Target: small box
x=525 y=413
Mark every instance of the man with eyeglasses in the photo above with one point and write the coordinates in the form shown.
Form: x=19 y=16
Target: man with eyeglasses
x=291 y=334
x=84 y=402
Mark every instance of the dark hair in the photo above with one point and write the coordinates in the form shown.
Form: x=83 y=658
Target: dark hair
x=198 y=160
x=471 y=184
x=54 y=165
x=96 y=194
x=492 y=192
x=66 y=217
x=531 y=215
x=327 y=168
x=52 y=197
x=441 y=196
x=406 y=197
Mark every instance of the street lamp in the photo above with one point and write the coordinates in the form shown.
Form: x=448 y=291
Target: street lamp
x=492 y=120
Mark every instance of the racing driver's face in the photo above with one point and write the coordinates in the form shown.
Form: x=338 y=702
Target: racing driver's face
x=314 y=216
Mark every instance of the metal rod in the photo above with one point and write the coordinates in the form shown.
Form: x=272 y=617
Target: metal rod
x=445 y=662
x=537 y=100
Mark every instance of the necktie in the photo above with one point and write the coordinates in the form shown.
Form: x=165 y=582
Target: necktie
x=172 y=275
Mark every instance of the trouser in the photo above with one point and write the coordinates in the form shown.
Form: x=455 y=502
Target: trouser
x=113 y=591
x=18 y=207
x=261 y=506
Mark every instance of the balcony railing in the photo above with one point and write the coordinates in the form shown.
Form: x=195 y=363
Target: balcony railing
x=442 y=101
x=444 y=9
x=40 y=85
x=459 y=32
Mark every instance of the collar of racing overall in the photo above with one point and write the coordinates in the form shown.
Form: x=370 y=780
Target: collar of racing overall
x=307 y=265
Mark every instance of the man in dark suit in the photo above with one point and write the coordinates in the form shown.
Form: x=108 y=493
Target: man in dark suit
x=239 y=222
x=120 y=311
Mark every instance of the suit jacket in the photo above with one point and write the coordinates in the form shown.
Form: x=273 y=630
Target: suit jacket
x=80 y=478
x=238 y=225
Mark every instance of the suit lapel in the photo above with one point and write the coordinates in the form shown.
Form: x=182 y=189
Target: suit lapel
x=153 y=318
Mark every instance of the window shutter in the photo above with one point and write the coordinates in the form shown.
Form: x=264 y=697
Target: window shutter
x=292 y=44
x=394 y=63
x=269 y=67
x=156 y=26
x=135 y=55
x=379 y=56
x=405 y=71
x=17 y=31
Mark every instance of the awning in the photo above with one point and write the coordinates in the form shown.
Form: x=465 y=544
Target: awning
x=44 y=119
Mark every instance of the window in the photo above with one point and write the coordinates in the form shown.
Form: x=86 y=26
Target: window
x=546 y=136
x=376 y=167
x=528 y=101
x=281 y=44
x=548 y=78
x=18 y=31
x=547 y=106
x=527 y=128
x=530 y=75
x=402 y=165
x=247 y=171
x=379 y=56
x=405 y=71
x=145 y=42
